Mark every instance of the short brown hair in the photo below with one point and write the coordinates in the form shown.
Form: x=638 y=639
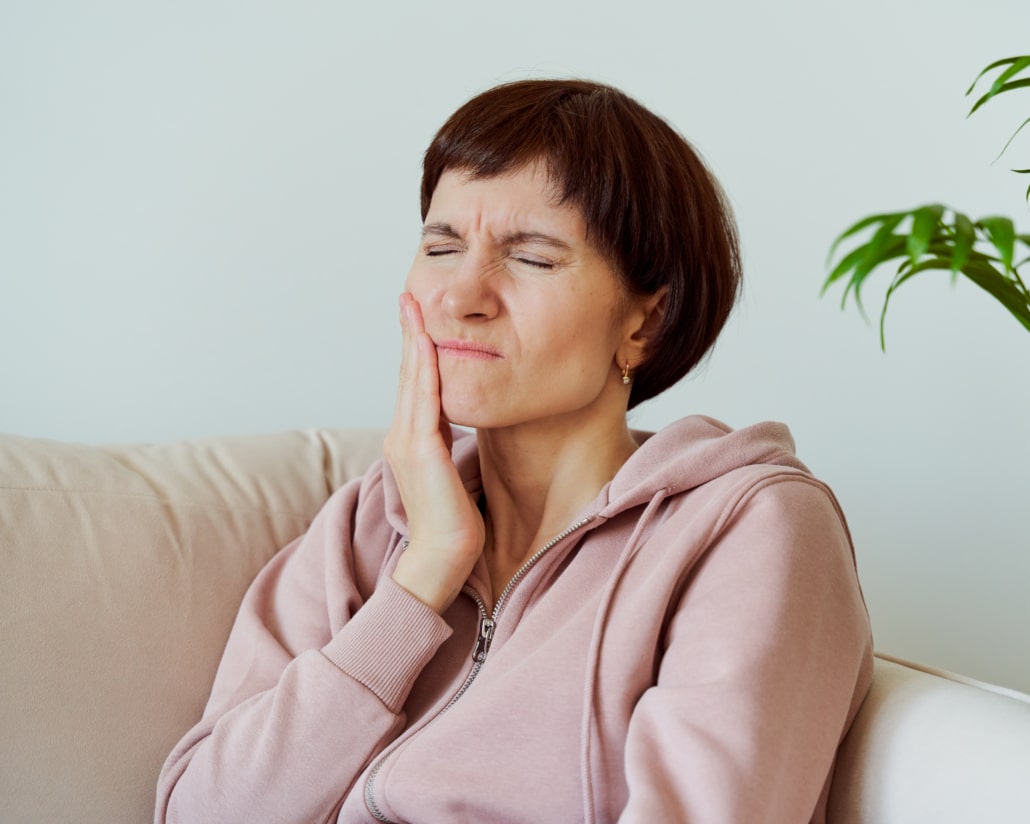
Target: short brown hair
x=651 y=206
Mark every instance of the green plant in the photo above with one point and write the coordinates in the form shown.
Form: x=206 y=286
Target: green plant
x=989 y=251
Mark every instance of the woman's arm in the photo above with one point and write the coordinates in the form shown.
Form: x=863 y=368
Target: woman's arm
x=310 y=686
x=767 y=659
x=446 y=528
x=298 y=710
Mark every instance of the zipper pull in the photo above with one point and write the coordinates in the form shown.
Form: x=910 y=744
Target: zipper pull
x=486 y=635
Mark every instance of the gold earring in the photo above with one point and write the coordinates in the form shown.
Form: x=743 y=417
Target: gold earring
x=625 y=375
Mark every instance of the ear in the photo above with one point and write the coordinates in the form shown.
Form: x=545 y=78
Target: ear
x=643 y=321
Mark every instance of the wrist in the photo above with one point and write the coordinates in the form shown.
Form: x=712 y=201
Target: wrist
x=423 y=582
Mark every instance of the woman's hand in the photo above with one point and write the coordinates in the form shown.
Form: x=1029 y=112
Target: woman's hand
x=446 y=531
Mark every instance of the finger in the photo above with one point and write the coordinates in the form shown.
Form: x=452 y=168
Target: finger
x=427 y=390
x=427 y=377
x=416 y=321
x=397 y=445
x=407 y=361
x=429 y=384
x=409 y=364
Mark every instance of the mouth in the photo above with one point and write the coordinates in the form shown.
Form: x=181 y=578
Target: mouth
x=467 y=349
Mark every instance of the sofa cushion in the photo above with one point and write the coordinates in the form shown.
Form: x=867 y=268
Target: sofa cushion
x=123 y=568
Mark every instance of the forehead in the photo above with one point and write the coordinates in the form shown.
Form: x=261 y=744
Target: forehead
x=524 y=200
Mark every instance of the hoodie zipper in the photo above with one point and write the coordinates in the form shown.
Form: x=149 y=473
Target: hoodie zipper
x=484 y=637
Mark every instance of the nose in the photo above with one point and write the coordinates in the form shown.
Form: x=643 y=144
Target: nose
x=471 y=291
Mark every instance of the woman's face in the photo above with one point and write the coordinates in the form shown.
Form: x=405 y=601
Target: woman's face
x=527 y=317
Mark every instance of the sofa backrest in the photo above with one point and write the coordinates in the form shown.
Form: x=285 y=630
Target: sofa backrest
x=123 y=568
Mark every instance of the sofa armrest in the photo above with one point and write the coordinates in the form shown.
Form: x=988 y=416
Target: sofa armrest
x=930 y=746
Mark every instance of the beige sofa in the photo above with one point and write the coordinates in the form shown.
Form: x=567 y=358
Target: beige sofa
x=122 y=568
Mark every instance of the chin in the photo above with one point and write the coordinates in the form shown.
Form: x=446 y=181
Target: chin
x=474 y=413
x=460 y=416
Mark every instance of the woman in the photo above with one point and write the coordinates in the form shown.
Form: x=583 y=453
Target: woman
x=557 y=619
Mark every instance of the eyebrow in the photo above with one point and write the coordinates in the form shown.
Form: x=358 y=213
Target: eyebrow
x=448 y=231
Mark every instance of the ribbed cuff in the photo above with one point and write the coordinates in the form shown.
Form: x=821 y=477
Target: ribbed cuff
x=388 y=642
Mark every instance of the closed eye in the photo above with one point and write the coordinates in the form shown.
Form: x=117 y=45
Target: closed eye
x=537 y=263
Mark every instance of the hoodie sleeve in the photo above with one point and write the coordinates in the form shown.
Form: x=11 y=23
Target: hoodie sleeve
x=311 y=683
x=768 y=657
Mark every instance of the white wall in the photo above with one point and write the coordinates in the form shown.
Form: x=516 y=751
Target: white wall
x=207 y=210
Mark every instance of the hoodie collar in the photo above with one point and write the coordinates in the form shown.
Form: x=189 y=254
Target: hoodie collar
x=691 y=452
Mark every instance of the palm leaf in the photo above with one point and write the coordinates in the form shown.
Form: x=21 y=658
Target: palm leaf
x=1003 y=62
x=1001 y=288
x=883 y=248
x=984 y=251
x=1024 y=172
x=848 y=262
x=1014 y=69
x=934 y=242
x=925 y=222
x=1009 y=141
x=965 y=234
x=983 y=275
x=858 y=227
x=1012 y=85
x=906 y=271
x=880 y=246
x=1002 y=234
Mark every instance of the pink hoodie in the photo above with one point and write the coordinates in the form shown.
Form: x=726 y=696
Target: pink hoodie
x=692 y=648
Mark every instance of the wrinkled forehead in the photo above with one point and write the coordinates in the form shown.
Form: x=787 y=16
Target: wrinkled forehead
x=523 y=201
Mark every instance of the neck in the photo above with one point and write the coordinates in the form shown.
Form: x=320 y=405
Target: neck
x=537 y=476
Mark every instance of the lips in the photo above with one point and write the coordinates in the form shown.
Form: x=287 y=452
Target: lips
x=466 y=349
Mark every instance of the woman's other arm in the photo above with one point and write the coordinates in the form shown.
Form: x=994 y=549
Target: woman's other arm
x=767 y=659
x=297 y=712
x=446 y=528
x=310 y=686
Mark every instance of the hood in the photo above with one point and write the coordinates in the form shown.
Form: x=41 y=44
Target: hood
x=691 y=452
x=682 y=456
